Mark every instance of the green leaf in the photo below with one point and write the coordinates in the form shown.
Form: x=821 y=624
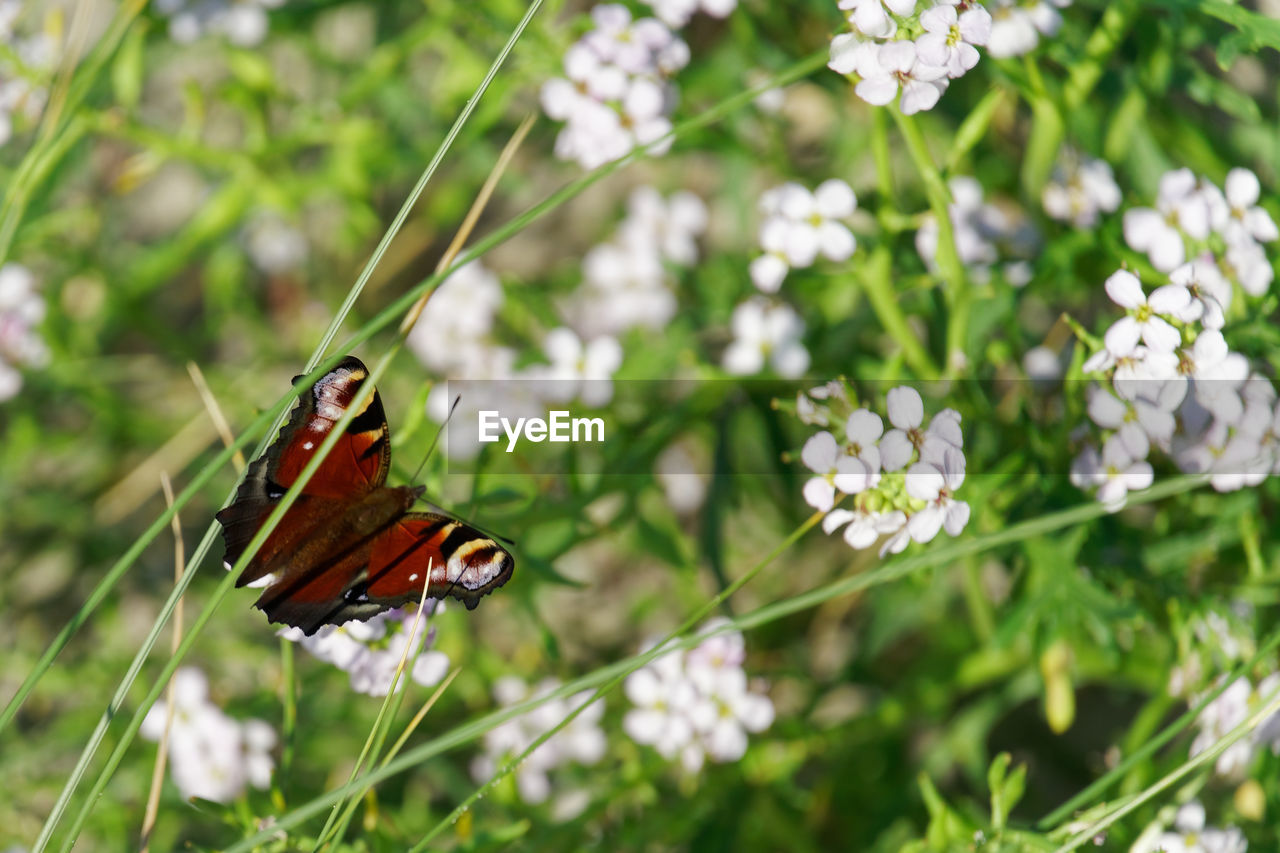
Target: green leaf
x=128 y=67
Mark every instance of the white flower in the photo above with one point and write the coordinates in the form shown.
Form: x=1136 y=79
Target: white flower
x=370 y=652
x=1143 y=322
x=580 y=370
x=581 y=741
x=837 y=471
x=766 y=334
x=452 y=334
x=886 y=68
x=1247 y=220
x=1183 y=206
x=21 y=311
x=1120 y=474
x=937 y=486
x=1209 y=290
x=1249 y=265
x=211 y=755
x=906 y=413
x=244 y=23
x=676 y=13
x=872 y=18
x=983 y=232
x=1190 y=835
x=697 y=705
x=949 y=38
x=615 y=94
x=1082 y=188
x=800 y=225
x=1016 y=26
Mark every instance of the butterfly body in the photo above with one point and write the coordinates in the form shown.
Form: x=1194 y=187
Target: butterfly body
x=349 y=547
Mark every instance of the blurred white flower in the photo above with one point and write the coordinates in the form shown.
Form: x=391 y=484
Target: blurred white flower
x=1017 y=25
x=1191 y=835
x=244 y=23
x=615 y=94
x=984 y=234
x=626 y=283
x=26 y=65
x=21 y=311
x=676 y=13
x=211 y=755
x=697 y=704
x=370 y=651
x=581 y=741
x=798 y=226
x=1082 y=188
x=766 y=334
x=453 y=336
x=578 y=369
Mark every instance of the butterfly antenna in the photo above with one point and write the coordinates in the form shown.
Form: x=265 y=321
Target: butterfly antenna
x=439 y=432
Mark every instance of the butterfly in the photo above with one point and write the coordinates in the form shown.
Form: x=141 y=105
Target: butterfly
x=349 y=547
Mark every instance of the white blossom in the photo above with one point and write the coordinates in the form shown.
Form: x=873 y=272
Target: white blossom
x=1081 y=190
x=798 y=226
x=211 y=755
x=581 y=741
x=698 y=704
x=766 y=334
x=616 y=93
x=370 y=651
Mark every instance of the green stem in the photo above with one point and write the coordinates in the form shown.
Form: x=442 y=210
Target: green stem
x=875 y=276
x=958 y=294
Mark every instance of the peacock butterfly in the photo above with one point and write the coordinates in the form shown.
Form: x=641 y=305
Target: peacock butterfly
x=349 y=548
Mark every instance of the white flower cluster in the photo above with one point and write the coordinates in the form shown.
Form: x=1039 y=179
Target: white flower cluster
x=697 y=704
x=369 y=652
x=677 y=13
x=1195 y=220
x=1232 y=707
x=26 y=62
x=894 y=46
x=21 y=310
x=616 y=93
x=985 y=234
x=766 y=334
x=1190 y=835
x=1175 y=385
x=454 y=333
x=243 y=23
x=903 y=481
x=211 y=755
x=798 y=226
x=581 y=741
x=1081 y=190
x=625 y=281
x=1017 y=25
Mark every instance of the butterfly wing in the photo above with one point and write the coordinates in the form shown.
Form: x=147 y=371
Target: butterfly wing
x=357 y=465
x=455 y=559
x=347 y=573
